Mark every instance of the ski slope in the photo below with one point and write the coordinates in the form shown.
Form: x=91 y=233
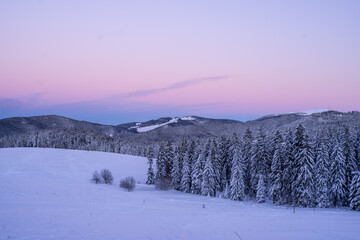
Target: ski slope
x=46 y=194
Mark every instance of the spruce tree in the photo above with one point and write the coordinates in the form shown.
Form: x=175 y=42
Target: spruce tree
x=196 y=174
x=217 y=164
x=150 y=173
x=160 y=164
x=191 y=153
x=169 y=158
x=276 y=175
x=223 y=158
x=260 y=190
x=347 y=145
x=208 y=178
x=260 y=158
x=337 y=174
x=246 y=150
x=237 y=186
x=322 y=174
x=288 y=167
x=176 y=169
x=303 y=186
x=186 y=175
x=355 y=192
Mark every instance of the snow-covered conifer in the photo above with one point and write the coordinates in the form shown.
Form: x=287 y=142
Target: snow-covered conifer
x=303 y=186
x=260 y=158
x=186 y=175
x=150 y=173
x=160 y=163
x=208 y=178
x=355 y=192
x=169 y=158
x=237 y=186
x=223 y=159
x=260 y=190
x=337 y=174
x=196 y=174
x=348 y=147
x=246 y=150
x=322 y=174
x=176 y=169
x=276 y=175
x=288 y=167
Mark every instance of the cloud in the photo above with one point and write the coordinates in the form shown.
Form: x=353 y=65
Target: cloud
x=112 y=109
x=21 y=101
x=178 y=85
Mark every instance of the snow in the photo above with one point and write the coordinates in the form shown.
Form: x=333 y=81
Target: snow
x=152 y=127
x=188 y=118
x=309 y=112
x=46 y=194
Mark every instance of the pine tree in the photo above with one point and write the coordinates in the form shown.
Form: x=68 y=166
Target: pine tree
x=303 y=186
x=192 y=153
x=223 y=158
x=260 y=190
x=196 y=174
x=217 y=164
x=276 y=175
x=246 y=149
x=169 y=158
x=208 y=178
x=237 y=186
x=186 y=175
x=305 y=180
x=160 y=164
x=322 y=174
x=347 y=145
x=150 y=173
x=338 y=178
x=176 y=169
x=259 y=160
x=288 y=167
x=355 y=192
x=357 y=148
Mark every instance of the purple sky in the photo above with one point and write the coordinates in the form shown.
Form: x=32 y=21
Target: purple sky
x=118 y=61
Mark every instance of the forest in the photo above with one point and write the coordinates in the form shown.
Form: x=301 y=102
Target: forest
x=300 y=167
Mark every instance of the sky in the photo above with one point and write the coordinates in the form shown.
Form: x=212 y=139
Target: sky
x=119 y=61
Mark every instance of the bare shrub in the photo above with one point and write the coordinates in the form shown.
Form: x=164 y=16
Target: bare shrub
x=106 y=176
x=128 y=183
x=163 y=184
x=96 y=177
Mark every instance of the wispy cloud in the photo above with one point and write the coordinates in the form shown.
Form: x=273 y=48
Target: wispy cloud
x=177 y=85
x=112 y=109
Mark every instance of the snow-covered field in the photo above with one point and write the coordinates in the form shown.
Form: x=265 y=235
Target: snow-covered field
x=46 y=194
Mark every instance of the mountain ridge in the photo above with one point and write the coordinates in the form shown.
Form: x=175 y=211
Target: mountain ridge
x=168 y=128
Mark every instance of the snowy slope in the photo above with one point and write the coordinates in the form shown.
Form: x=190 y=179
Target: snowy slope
x=45 y=194
x=140 y=128
x=313 y=111
x=305 y=113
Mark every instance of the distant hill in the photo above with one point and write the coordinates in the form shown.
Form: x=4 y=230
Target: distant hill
x=176 y=128
x=20 y=125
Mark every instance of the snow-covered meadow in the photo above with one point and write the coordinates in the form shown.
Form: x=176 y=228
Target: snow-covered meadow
x=46 y=194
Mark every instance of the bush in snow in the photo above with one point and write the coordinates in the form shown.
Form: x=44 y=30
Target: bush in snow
x=106 y=176
x=96 y=177
x=128 y=183
x=163 y=183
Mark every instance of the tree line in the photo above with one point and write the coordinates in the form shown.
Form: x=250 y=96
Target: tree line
x=295 y=167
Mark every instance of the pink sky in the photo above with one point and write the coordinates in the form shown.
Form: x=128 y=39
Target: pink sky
x=94 y=60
